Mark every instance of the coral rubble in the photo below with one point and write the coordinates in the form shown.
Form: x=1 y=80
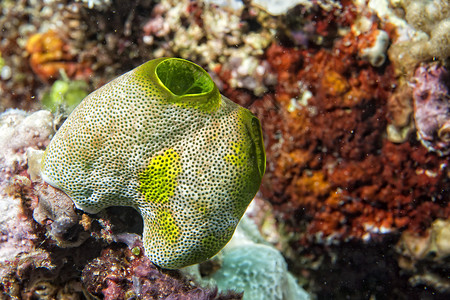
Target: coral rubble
x=118 y=273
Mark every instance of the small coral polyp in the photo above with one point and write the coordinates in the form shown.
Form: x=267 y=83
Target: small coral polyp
x=159 y=138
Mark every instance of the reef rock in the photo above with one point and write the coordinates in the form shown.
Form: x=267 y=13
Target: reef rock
x=432 y=107
x=249 y=264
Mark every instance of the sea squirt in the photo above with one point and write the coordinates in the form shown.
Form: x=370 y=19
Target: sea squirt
x=162 y=139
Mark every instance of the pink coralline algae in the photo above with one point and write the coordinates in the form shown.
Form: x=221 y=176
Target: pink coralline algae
x=121 y=273
x=432 y=107
x=19 y=132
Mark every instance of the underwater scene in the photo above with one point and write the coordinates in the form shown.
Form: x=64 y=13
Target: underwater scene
x=225 y=149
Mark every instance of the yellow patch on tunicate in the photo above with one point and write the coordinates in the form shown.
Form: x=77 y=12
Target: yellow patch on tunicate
x=237 y=158
x=167 y=228
x=158 y=180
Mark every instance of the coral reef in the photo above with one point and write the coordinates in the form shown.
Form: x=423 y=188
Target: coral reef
x=352 y=97
x=251 y=265
x=419 y=33
x=280 y=7
x=432 y=17
x=328 y=148
x=375 y=51
x=400 y=113
x=426 y=257
x=118 y=273
x=230 y=46
x=19 y=133
x=61 y=255
x=332 y=176
x=97 y=4
x=419 y=30
x=25 y=269
x=56 y=211
x=432 y=107
x=39 y=36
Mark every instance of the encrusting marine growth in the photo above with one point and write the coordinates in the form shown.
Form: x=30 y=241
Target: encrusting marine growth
x=162 y=139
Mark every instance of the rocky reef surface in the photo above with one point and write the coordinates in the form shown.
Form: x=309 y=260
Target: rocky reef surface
x=353 y=98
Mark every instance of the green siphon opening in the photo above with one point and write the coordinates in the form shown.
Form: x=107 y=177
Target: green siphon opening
x=182 y=77
x=256 y=136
